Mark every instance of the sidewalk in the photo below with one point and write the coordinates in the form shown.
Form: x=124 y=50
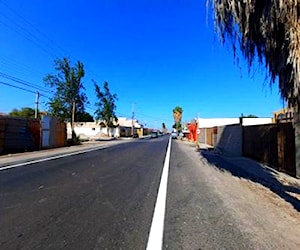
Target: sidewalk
x=284 y=185
x=17 y=158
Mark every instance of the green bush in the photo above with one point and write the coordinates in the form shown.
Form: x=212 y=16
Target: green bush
x=75 y=140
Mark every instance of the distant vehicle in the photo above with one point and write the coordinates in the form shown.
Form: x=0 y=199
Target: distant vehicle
x=154 y=134
x=174 y=135
x=135 y=135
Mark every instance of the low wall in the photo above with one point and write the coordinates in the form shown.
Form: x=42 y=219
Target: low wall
x=230 y=140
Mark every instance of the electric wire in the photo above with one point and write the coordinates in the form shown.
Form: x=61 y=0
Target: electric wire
x=10 y=85
x=26 y=83
x=32 y=26
x=24 y=89
x=26 y=37
x=39 y=42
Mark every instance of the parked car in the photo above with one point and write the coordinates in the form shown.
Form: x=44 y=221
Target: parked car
x=174 y=135
x=154 y=134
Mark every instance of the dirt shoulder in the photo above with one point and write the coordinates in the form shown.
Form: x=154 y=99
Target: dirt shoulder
x=264 y=202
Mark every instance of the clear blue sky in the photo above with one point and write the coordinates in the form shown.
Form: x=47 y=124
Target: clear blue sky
x=153 y=53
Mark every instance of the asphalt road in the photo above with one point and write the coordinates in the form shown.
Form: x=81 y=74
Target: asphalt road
x=97 y=200
x=105 y=199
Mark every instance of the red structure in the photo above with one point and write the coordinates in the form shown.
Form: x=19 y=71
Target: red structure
x=193 y=131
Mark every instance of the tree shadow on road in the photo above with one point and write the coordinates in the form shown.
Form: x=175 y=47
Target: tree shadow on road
x=251 y=170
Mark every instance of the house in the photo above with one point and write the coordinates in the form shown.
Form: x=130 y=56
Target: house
x=283 y=115
x=97 y=130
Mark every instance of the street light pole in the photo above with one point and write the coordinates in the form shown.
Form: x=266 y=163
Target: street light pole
x=132 y=120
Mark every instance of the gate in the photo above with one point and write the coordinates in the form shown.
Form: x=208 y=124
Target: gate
x=286 y=148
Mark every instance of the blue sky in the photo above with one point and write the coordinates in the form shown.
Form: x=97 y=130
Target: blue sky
x=155 y=54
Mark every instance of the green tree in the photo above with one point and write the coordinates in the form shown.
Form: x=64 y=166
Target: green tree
x=23 y=112
x=105 y=106
x=83 y=117
x=248 y=116
x=163 y=126
x=69 y=96
x=267 y=30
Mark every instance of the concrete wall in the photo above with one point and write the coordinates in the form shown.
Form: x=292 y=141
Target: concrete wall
x=230 y=140
x=91 y=131
x=256 y=121
x=217 y=122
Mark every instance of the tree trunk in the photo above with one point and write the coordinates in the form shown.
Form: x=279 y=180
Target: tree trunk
x=107 y=128
x=73 y=119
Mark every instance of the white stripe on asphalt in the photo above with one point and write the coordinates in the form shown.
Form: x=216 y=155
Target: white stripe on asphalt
x=156 y=234
x=50 y=158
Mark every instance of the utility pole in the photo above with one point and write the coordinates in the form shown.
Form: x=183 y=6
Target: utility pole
x=132 y=120
x=197 y=133
x=37 y=96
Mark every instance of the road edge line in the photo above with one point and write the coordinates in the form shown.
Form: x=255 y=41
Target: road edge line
x=50 y=158
x=155 y=240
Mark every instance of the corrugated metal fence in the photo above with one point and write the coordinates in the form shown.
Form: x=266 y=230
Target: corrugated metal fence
x=21 y=134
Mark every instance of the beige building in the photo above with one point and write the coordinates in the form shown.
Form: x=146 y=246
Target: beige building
x=285 y=114
x=97 y=130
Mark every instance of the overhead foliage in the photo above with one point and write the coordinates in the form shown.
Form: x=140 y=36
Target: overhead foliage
x=105 y=105
x=268 y=30
x=26 y=112
x=69 y=96
x=83 y=117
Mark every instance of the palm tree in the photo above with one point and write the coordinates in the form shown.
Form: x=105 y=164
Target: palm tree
x=270 y=31
x=177 y=115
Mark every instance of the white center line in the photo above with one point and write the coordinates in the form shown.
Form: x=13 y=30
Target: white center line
x=156 y=234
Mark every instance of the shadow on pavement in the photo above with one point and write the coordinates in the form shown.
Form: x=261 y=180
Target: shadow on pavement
x=249 y=169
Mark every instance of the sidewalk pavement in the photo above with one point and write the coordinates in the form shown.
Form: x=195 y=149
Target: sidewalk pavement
x=247 y=168
x=284 y=185
x=254 y=168
x=18 y=158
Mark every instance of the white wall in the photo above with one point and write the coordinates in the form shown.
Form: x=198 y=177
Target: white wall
x=217 y=122
x=91 y=130
x=256 y=121
x=213 y=122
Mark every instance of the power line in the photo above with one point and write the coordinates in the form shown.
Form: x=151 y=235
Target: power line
x=50 y=42
x=26 y=37
x=27 y=90
x=18 y=67
x=10 y=85
x=26 y=83
x=32 y=26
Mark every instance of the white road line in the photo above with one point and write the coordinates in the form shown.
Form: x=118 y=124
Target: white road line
x=50 y=158
x=156 y=234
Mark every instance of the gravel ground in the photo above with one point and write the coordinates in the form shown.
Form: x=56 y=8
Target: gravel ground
x=265 y=203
